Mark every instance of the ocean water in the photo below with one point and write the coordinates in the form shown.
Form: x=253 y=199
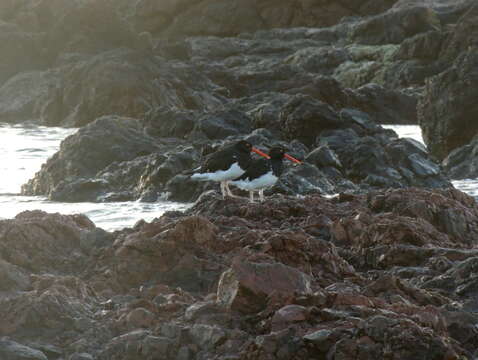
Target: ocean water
x=23 y=149
x=411 y=131
x=469 y=186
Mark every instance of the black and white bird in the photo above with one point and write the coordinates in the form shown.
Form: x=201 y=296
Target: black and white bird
x=263 y=173
x=227 y=164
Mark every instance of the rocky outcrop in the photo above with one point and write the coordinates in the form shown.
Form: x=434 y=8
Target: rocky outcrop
x=447 y=109
x=107 y=140
x=119 y=82
x=288 y=278
x=229 y=18
x=337 y=148
x=176 y=55
x=447 y=124
x=461 y=163
x=366 y=273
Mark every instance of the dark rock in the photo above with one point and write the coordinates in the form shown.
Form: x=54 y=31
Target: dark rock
x=321 y=339
x=107 y=140
x=206 y=336
x=451 y=86
x=246 y=286
x=463 y=36
x=461 y=162
x=304 y=118
x=13 y=278
x=422 y=46
x=323 y=156
x=222 y=124
x=287 y=316
x=155 y=346
x=423 y=167
x=81 y=356
x=45 y=242
x=116 y=82
x=251 y=16
x=307 y=179
x=447 y=108
x=11 y=350
x=178 y=265
x=395 y=162
x=125 y=346
x=25 y=96
x=386 y=106
x=365 y=274
x=395 y=26
x=165 y=122
x=196 y=310
x=286 y=287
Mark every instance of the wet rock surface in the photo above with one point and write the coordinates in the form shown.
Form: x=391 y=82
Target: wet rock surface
x=384 y=269
x=446 y=130
x=116 y=159
x=353 y=276
x=187 y=73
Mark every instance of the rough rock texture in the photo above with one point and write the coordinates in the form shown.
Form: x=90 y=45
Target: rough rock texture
x=448 y=108
x=107 y=140
x=190 y=55
x=207 y=69
x=462 y=163
x=232 y=17
x=134 y=163
x=354 y=276
x=303 y=74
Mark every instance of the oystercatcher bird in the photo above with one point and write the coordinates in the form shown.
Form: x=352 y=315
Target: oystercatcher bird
x=263 y=173
x=227 y=164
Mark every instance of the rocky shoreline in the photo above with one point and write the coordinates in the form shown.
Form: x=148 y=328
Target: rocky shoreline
x=390 y=274
x=165 y=83
x=365 y=251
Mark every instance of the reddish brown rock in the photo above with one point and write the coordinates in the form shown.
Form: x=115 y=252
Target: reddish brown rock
x=246 y=286
x=354 y=276
x=140 y=318
x=287 y=316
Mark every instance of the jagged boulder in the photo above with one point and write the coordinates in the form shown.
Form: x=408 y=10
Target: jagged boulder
x=447 y=109
x=461 y=162
x=246 y=286
x=11 y=350
x=92 y=148
x=31 y=239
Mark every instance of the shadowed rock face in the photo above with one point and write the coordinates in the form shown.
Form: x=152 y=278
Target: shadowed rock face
x=447 y=110
x=231 y=17
x=117 y=159
x=305 y=87
x=112 y=67
x=461 y=163
x=206 y=70
x=155 y=86
x=229 y=279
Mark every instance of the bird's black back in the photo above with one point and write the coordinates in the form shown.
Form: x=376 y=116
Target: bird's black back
x=223 y=159
x=259 y=167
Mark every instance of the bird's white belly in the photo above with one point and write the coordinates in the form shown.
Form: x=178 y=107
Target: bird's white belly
x=221 y=175
x=262 y=182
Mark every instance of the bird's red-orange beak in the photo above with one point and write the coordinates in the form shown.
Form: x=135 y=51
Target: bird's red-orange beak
x=257 y=151
x=288 y=157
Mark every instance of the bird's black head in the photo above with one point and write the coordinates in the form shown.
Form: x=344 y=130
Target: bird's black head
x=277 y=152
x=244 y=146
